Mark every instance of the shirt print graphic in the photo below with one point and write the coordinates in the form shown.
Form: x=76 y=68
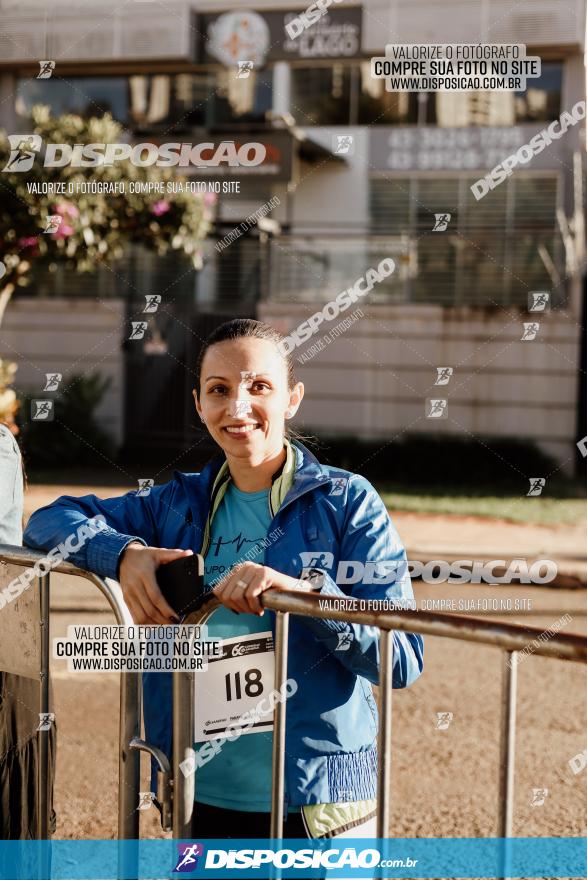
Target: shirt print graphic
x=238 y=543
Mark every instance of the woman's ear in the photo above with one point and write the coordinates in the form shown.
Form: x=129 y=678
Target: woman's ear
x=197 y=402
x=295 y=398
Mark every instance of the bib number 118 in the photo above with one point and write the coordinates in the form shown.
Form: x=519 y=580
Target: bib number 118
x=253 y=685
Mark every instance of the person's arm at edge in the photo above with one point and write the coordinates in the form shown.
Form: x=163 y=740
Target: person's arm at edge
x=11 y=488
x=129 y=518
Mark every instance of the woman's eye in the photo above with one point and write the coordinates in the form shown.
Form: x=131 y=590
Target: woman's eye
x=218 y=388
x=261 y=386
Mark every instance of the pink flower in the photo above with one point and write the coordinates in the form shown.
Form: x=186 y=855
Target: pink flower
x=66 y=208
x=31 y=241
x=210 y=199
x=63 y=231
x=160 y=207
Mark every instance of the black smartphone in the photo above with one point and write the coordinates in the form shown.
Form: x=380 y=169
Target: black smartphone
x=182 y=583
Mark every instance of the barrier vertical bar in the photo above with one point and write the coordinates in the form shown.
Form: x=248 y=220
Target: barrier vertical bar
x=507 y=743
x=384 y=739
x=507 y=755
x=128 y=759
x=183 y=748
x=278 y=764
x=43 y=734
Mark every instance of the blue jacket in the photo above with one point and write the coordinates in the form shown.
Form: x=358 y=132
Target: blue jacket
x=331 y=752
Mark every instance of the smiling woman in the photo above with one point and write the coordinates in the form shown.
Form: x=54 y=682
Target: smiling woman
x=265 y=514
x=245 y=391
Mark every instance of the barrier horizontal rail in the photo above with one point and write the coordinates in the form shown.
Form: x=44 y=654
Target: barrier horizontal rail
x=505 y=636
x=508 y=637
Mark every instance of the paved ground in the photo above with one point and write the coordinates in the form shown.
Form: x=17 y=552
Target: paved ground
x=444 y=781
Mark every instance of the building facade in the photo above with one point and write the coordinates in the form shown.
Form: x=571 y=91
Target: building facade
x=353 y=174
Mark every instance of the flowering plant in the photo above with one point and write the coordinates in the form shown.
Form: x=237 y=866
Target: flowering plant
x=93 y=227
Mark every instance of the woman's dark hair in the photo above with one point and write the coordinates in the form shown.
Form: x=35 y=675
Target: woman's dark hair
x=248 y=328
x=244 y=328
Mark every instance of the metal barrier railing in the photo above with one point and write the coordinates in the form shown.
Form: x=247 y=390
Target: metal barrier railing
x=32 y=608
x=176 y=790
x=506 y=636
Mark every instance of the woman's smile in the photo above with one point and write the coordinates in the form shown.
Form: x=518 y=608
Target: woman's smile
x=242 y=430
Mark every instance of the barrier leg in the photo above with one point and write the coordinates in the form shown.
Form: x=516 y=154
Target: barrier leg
x=278 y=768
x=384 y=740
x=44 y=794
x=183 y=749
x=128 y=774
x=507 y=753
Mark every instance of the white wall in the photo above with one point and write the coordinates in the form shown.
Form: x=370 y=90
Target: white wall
x=334 y=193
x=68 y=336
x=374 y=379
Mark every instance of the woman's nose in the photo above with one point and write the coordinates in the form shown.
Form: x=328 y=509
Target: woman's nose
x=240 y=405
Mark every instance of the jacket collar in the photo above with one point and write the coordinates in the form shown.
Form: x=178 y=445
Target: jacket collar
x=308 y=475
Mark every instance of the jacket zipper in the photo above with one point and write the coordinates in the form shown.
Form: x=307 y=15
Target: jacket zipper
x=301 y=494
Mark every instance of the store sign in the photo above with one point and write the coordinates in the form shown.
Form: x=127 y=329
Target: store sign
x=428 y=148
x=230 y=37
x=276 y=166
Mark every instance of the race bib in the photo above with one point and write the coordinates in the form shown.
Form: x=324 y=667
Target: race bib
x=230 y=693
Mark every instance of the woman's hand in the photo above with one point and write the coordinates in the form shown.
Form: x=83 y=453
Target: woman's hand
x=139 y=583
x=242 y=586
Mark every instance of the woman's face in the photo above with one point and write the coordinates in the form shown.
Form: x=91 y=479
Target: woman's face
x=244 y=398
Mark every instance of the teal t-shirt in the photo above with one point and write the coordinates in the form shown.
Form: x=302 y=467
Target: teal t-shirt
x=239 y=776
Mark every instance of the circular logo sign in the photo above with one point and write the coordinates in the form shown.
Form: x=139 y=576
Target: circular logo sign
x=239 y=36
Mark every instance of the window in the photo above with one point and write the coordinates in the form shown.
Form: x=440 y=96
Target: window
x=348 y=95
x=321 y=95
x=376 y=106
x=158 y=101
x=345 y=94
x=218 y=98
x=84 y=95
x=494 y=251
x=540 y=102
